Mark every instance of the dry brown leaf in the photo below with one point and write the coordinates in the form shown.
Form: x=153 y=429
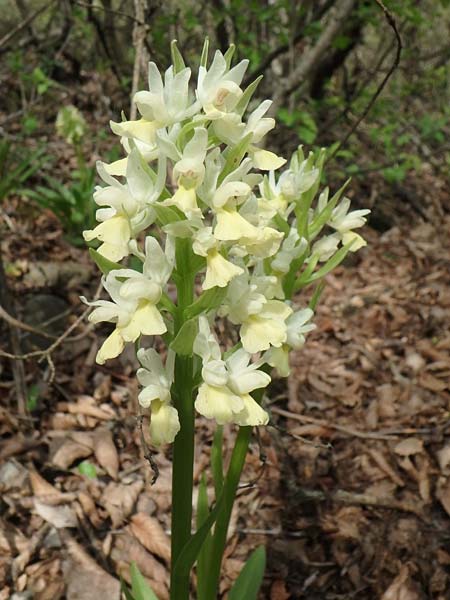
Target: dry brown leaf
x=278 y=591
x=89 y=508
x=69 y=452
x=87 y=405
x=432 y=383
x=85 y=579
x=127 y=549
x=152 y=536
x=400 y=588
x=443 y=494
x=443 y=456
x=119 y=500
x=106 y=452
x=40 y=486
x=58 y=516
x=409 y=446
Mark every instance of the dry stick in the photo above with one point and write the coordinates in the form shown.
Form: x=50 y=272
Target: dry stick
x=17 y=365
x=365 y=435
x=13 y=322
x=48 y=351
x=5 y=39
x=343 y=497
x=391 y=21
x=139 y=31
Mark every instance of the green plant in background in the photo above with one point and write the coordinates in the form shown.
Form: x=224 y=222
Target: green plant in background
x=202 y=207
x=71 y=202
x=16 y=167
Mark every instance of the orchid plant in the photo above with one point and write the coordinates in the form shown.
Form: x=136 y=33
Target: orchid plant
x=221 y=229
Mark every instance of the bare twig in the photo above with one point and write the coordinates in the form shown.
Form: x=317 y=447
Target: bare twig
x=140 y=59
x=344 y=497
x=310 y=58
x=24 y=326
x=25 y=23
x=18 y=368
x=365 y=435
x=391 y=21
x=47 y=352
x=148 y=454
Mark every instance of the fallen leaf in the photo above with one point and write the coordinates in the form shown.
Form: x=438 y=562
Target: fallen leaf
x=106 y=453
x=151 y=535
x=127 y=549
x=401 y=588
x=409 y=446
x=69 y=452
x=278 y=591
x=85 y=579
x=58 y=516
x=119 y=500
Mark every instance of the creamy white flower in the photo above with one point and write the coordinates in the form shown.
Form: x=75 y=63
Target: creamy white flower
x=218 y=87
x=166 y=103
x=134 y=298
x=128 y=207
x=157 y=380
x=224 y=394
x=344 y=221
x=326 y=247
x=219 y=270
x=292 y=247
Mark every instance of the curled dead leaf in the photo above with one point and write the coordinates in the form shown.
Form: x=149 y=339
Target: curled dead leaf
x=58 y=516
x=119 y=500
x=106 y=452
x=409 y=446
x=151 y=535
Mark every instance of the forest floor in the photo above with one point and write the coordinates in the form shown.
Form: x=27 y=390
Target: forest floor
x=352 y=495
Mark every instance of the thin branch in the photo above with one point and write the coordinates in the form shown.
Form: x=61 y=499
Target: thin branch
x=139 y=33
x=391 y=21
x=47 y=352
x=5 y=39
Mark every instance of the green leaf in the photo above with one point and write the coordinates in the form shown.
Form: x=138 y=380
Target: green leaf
x=104 y=264
x=139 y=587
x=316 y=295
x=331 y=264
x=203 y=557
x=126 y=590
x=184 y=340
x=228 y=56
x=191 y=550
x=33 y=397
x=241 y=106
x=250 y=578
x=319 y=221
x=88 y=469
x=216 y=460
x=167 y=214
x=177 y=58
x=204 y=55
x=209 y=300
x=234 y=156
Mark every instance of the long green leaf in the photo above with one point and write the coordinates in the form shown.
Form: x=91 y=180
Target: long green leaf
x=203 y=557
x=104 y=264
x=250 y=578
x=139 y=587
x=216 y=460
x=184 y=340
x=191 y=550
x=209 y=300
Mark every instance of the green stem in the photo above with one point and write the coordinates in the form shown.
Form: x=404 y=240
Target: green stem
x=183 y=447
x=223 y=520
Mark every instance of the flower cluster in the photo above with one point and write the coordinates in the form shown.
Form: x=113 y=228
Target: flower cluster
x=196 y=198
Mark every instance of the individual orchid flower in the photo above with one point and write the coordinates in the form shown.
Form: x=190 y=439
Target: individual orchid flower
x=344 y=222
x=230 y=129
x=262 y=320
x=135 y=297
x=189 y=172
x=292 y=247
x=218 y=87
x=157 y=380
x=224 y=394
x=298 y=324
x=219 y=270
x=128 y=206
x=166 y=102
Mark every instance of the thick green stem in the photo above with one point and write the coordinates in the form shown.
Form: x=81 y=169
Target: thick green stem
x=183 y=447
x=223 y=520
x=182 y=473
